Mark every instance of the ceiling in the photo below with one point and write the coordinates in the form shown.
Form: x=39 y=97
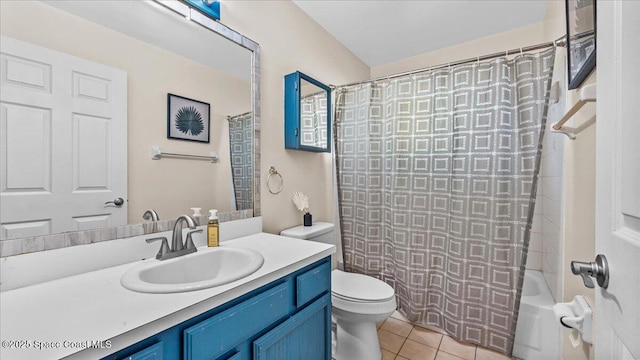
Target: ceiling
x=380 y=32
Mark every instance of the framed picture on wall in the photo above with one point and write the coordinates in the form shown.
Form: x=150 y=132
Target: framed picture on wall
x=187 y=119
x=581 y=40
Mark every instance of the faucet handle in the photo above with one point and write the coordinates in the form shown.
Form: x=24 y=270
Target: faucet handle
x=188 y=243
x=164 y=247
x=598 y=269
x=585 y=270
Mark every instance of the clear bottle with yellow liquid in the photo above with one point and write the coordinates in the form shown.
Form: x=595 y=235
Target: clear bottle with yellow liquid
x=213 y=229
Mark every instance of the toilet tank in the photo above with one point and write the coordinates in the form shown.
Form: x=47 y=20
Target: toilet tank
x=319 y=232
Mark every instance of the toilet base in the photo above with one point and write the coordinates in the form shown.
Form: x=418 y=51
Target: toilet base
x=357 y=341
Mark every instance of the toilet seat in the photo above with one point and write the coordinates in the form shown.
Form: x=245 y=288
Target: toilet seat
x=361 y=294
x=359 y=288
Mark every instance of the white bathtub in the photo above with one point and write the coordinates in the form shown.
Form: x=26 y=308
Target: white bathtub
x=537 y=334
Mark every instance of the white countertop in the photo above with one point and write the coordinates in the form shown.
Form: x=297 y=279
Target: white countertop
x=93 y=306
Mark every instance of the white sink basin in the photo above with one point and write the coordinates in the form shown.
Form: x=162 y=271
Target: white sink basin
x=206 y=268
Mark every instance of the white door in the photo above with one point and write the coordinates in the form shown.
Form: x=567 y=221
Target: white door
x=617 y=311
x=63 y=123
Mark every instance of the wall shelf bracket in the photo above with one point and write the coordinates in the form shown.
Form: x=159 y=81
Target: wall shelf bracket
x=587 y=94
x=569 y=132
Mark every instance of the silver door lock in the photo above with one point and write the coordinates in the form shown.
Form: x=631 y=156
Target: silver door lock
x=598 y=269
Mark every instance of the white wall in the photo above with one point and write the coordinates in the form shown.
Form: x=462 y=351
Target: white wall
x=289 y=41
x=515 y=38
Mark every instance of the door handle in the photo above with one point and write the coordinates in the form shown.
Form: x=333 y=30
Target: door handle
x=598 y=269
x=117 y=202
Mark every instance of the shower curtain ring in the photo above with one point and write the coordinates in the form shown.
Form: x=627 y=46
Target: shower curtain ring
x=521 y=53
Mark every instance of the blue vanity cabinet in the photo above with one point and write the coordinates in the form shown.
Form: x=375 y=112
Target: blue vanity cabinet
x=312 y=283
x=223 y=332
x=153 y=352
x=289 y=318
x=302 y=336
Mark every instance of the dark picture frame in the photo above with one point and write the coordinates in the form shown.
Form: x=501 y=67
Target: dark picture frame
x=188 y=119
x=581 y=40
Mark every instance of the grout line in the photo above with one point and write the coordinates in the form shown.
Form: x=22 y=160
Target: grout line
x=405 y=340
x=440 y=343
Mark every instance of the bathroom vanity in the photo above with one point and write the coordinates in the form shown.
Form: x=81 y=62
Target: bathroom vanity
x=281 y=311
x=288 y=318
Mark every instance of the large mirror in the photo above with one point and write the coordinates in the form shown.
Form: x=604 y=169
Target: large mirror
x=117 y=61
x=307 y=114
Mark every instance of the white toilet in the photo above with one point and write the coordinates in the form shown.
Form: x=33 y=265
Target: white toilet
x=358 y=302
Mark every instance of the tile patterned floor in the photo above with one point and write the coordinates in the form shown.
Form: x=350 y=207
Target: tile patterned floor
x=401 y=340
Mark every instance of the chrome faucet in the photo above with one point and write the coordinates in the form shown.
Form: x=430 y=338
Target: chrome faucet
x=178 y=247
x=176 y=241
x=153 y=216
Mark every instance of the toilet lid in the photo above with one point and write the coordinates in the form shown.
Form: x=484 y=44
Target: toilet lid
x=359 y=287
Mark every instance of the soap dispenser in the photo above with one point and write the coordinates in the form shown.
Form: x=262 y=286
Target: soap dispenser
x=213 y=229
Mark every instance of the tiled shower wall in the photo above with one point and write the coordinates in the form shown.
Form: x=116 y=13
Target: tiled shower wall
x=545 y=249
x=552 y=220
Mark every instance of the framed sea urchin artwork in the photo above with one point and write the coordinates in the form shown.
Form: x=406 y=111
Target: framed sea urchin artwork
x=187 y=119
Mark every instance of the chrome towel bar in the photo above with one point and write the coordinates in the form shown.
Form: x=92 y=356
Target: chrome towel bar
x=157 y=154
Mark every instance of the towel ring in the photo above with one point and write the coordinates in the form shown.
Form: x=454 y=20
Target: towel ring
x=273 y=171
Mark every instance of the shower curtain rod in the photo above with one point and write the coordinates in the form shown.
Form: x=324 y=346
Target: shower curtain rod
x=558 y=42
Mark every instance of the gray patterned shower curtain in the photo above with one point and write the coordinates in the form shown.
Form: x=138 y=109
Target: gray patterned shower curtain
x=437 y=178
x=241 y=148
x=313 y=120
